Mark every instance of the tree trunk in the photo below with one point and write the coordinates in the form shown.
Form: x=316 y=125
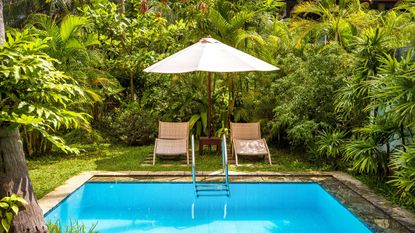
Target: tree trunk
x=2 y=31
x=121 y=6
x=14 y=176
x=14 y=179
x=132 y=89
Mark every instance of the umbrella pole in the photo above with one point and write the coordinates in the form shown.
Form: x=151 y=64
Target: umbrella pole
x=209 y=123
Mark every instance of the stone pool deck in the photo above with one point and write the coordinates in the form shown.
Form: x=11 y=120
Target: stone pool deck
x=377 y=212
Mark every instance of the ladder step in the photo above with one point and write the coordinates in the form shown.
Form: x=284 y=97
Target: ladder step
x=212 y=190
x=210 y=185
x=213 y=195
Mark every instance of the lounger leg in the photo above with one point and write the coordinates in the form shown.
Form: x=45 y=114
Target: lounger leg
x=236 y=156
x=232 y=151
x=154 y=153
x=269 y=154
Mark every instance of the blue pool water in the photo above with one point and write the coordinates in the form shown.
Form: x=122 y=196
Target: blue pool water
x=172 y=207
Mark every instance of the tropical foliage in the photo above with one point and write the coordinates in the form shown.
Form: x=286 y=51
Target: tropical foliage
x=9 y=207
x=345 y=94
x=73 y=228
x=33 y=93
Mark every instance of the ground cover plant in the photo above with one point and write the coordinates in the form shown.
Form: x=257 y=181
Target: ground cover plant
x=343 y=99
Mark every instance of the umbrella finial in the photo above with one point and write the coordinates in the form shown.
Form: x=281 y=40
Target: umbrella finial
x=208 y=39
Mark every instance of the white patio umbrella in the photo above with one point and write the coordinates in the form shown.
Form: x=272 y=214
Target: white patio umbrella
x=212 y=56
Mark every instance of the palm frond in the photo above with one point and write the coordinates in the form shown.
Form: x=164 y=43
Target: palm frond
x=70 y=24
x=240 y=19
x=219 y=22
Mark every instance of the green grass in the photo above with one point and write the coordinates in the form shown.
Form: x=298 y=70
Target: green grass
x=49 y=172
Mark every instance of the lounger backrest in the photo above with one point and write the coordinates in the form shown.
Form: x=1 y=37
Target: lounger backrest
x=245 y=131
x=173 y=130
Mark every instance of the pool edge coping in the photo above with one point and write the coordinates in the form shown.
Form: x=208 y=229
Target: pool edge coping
x=400 y=214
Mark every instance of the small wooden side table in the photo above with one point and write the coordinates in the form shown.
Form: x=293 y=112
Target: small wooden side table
x=209 y=141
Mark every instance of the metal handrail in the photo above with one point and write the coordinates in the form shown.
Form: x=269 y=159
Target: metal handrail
x=225 y=159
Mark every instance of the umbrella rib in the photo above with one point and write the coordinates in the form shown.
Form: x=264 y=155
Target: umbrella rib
x=201 y=56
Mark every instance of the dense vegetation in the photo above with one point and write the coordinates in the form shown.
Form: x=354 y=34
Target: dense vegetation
x=345 y=93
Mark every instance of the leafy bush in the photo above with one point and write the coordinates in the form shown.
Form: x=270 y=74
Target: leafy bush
x=9 y=207
x=367 y=155
x=330 y=145
x=74 y=228
x=132 y=125
x=304 y=97
x=83 y=136
x=34 y=93
x=403 y=162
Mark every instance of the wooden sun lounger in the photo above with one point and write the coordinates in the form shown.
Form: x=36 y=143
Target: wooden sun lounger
x=246 y=140
x=173 y=140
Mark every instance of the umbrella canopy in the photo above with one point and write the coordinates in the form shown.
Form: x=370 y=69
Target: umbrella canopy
x=209 y=55
x=212 y=56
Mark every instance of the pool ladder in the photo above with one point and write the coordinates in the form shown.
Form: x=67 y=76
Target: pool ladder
x=212 y=188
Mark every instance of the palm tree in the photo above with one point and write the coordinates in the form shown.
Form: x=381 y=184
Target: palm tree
x=394 y=89
x=400 y=26
x=38 y=96
x=225 y=22
x=229 y=26
x=2 y=31
x=74 y=43
x=331 y=20
x=353 y=99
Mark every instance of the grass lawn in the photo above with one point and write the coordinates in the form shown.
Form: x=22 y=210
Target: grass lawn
x=49 y=172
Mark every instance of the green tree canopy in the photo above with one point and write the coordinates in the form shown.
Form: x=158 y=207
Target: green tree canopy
x=33 y=92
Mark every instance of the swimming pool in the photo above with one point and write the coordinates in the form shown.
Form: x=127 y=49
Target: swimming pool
x=172 y=207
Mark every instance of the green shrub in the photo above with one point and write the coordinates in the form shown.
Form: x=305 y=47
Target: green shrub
x=304 y=96
x=367 y=155
x=329 y=145
x=131 y=125
x=403 y=162
x=83 y=136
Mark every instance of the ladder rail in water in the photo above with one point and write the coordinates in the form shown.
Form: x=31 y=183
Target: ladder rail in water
x=211 y=187
x=193 y=162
